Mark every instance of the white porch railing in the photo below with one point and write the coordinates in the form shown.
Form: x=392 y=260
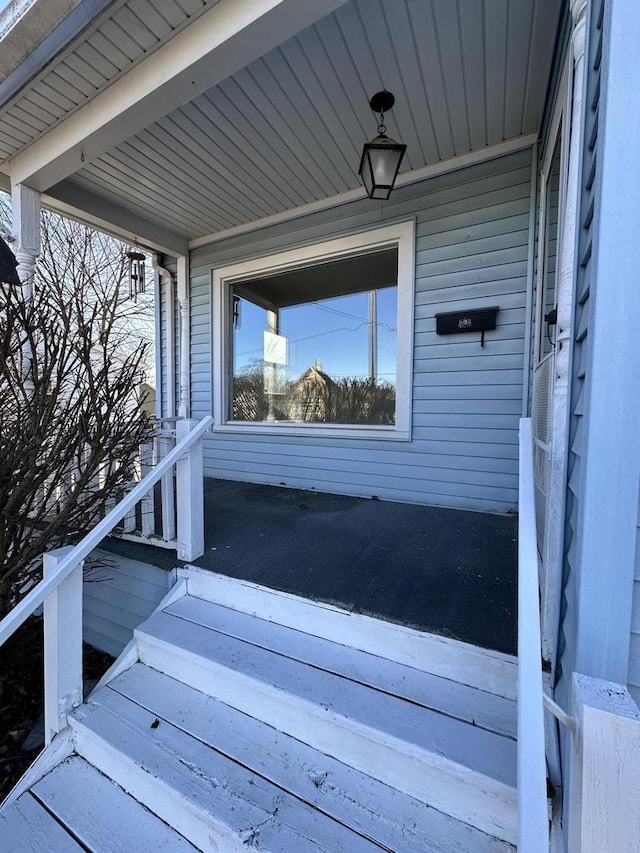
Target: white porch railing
x=61 y=587
x=153 y=520
x=533 y=821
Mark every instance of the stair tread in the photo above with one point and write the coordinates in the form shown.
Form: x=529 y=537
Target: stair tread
x=390 y=817
x=205 y=794
x=101 y=814
x=469 y=746
x=27 y=827
x=482 y=708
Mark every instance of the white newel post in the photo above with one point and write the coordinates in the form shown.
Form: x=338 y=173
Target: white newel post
x=190 y=496
x=604 y=781
x=62 y=645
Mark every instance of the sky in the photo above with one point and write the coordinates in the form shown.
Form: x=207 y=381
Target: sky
x=333 y=332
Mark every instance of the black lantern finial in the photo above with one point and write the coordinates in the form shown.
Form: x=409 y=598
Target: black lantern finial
x=382 y=156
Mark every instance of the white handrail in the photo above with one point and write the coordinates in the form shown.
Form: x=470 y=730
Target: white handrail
x=533 y=821
x=43 y=590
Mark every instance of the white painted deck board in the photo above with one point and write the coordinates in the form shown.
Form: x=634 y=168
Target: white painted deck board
x=484 y=709
x=389 y=817
x=26 y=827
x=101 y=815
x=216 y=803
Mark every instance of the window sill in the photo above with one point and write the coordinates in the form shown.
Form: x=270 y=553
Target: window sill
x=348 y=431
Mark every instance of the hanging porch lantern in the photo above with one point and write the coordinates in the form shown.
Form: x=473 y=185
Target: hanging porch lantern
x=136 y=274
x=381 y=158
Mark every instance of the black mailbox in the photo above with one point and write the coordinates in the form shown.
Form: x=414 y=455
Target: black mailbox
x=476 y=320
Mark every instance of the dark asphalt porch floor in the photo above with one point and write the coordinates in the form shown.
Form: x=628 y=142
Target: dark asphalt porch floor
x=445 y=571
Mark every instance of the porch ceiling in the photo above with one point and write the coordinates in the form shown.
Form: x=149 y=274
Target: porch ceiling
x=285 y=129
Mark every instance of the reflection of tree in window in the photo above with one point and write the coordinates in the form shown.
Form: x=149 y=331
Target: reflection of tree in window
x=337 y=322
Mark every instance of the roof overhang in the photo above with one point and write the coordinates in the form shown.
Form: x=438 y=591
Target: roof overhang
x=246 y=112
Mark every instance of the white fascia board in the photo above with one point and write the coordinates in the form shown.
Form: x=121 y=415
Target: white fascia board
x=231 y=35
x=481 y=155
x=75 y=202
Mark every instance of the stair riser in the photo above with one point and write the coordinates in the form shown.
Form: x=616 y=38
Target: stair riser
x=157 y=795
x=455 y=790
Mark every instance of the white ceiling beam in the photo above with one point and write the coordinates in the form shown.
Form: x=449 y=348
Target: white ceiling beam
x=70 y=200
x=221 y=42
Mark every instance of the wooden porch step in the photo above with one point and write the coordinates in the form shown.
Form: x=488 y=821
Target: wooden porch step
x=444 y=657
x=449 y=764
x=75 y=808
x=483 y=709
x=242 y=717
x=224 y=774
x=215 y=802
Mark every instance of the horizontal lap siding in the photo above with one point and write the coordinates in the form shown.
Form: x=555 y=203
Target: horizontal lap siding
x=118 y=595
x=472 y=230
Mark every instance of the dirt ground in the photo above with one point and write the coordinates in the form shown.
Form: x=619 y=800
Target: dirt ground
x=22 y=697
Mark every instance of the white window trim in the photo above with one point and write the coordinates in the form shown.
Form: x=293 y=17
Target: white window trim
x=557 y=132
x=403 y=236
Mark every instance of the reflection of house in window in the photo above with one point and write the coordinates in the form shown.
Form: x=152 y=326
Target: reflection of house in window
x=311 y=396
x=341 y=313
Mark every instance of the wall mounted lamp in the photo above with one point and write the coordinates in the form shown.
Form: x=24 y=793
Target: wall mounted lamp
x=381 y=158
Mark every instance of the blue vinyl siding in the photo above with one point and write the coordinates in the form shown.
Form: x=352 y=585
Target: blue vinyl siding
x=584 y=286
x=600 y=629
x=472 y=231
x=118 y=595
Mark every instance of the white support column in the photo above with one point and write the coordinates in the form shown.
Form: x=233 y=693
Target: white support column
x=166 y=292
x=604 y=782
x=567 y=263
x=147 y=504
x=62 y=645
x=190 y=497
x=185 y=338
x=25 y=204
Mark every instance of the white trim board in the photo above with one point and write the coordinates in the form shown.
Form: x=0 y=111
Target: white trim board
x=484 y=669
x=472 y=158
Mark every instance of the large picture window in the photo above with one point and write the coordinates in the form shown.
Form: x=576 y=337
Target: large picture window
x=318 y=338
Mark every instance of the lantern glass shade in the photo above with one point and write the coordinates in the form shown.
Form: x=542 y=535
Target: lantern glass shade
x=381 y=159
